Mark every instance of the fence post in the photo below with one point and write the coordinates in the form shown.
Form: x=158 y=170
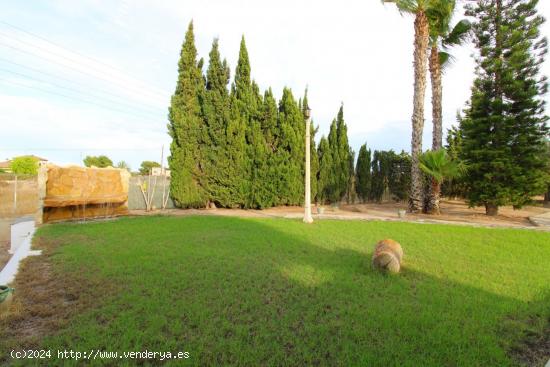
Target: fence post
x=41 y=180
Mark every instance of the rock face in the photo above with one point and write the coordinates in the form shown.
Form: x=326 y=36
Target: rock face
x=388 y=255
x=78 y=192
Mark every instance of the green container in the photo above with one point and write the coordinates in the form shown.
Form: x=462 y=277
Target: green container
x=5 y=292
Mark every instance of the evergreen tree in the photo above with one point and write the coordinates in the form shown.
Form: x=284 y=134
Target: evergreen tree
x=240 y=129
x=377 y=178
x=505 y=126
x=291 y=122
x=399 y=180
x=335 y=193
x=454 y=187
x=345 y=159
x=185 y=125
x=325 y=176
x=363 y=174
x=216 y=113
x=277 y=157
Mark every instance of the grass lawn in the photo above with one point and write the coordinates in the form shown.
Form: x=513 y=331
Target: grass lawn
x=277 y=292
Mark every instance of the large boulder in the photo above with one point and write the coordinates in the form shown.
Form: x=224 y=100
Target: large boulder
x=387 y=256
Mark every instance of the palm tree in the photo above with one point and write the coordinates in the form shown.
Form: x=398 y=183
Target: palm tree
x=442 y=37
x=420 y=9
x=438 y=165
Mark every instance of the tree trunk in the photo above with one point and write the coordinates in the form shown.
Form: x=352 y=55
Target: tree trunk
x=437 y=121
x=491 y=209
x=433 y=203
x=437 y=98
x=421 y=40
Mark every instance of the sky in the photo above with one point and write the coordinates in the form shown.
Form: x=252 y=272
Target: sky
x=94 y=77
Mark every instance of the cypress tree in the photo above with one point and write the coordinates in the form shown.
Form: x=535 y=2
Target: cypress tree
x=505 y=126
x=345 y=159
x=239 y=130
x=291 y=122
x=334 y=195
x=185 y=128
x=216 y=114
x=326 y=175
x=399 y=180
x=454 y=187
x=363 y=173
x=377 y=178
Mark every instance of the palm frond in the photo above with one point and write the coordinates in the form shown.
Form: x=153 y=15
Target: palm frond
x=458 y=35
x=445 y=60
x=438 y=165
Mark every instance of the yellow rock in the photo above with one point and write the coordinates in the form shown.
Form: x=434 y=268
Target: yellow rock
x=388 y=255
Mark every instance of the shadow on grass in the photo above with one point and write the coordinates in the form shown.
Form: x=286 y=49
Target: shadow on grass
x=257 y=292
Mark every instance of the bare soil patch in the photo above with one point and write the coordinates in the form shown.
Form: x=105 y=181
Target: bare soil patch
x=43 y=301
x=4 y=255
x=456 y=211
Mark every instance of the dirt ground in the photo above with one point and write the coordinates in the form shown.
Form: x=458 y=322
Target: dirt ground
x=452 y=211
x=4 y=256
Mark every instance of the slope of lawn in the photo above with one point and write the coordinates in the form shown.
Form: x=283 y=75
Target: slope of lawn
x=277 y=292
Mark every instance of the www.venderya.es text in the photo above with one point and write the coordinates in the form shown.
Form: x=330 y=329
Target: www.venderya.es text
x=96 y=354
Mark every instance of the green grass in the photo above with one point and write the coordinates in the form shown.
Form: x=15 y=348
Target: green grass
x=277 y=292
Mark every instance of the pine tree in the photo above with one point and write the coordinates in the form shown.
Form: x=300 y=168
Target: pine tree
x=185 y=126
x=505 y=126
x=363 y=174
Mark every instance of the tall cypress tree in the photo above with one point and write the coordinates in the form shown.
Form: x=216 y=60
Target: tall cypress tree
x=291 y=122
x=239 y=130
x=334 y=195
x=377 y=178
x=344 y=156
x=505 y=126
x=216 y=114
x=363 y=173
x=185 y=128
x=326 y=175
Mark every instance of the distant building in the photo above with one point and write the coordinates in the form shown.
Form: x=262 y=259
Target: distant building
x=158 y=171
x=6 y=165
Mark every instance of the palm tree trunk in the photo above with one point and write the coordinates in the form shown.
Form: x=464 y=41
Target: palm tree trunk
x=437 y=98
x=435 y=192
x=437 y=121
x=421 y=40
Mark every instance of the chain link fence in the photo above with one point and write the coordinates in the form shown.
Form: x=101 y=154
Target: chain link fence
x=136 y=200
x=18 y=195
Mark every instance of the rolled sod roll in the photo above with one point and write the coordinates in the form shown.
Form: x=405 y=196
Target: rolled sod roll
x=387 y=256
